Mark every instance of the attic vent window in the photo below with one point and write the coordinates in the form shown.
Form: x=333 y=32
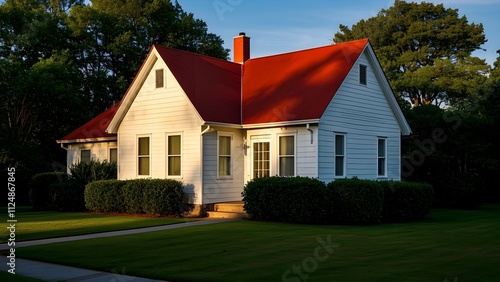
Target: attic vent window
x=362 y=74
x=159 y=78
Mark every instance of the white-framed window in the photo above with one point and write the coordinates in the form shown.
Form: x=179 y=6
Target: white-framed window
x=286 y=155
x=224 y=152
x=174 y=155
x=340 y=154
x=143 y=155
x=382 y=157
x=113 y=155
x=362 y=74
x=85 y=155
x=159 y=78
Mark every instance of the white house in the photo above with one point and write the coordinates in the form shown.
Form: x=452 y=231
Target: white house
x=325 y=112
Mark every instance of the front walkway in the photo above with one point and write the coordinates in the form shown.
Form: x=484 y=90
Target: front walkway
x=54 y=272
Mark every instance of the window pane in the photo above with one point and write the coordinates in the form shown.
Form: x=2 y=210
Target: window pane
x=381 y=166
x=224 y=145
x=339 y=145
x=85 y=156
x=113 y=155
x=362 y=74
x=339 y=166
x=287 y=146
x=174 y=145
x=381 y=148
x=159 y=78
x=174 y=165
x=143 y=165
x=144 y=146
x=287 y=166
x=224 y=166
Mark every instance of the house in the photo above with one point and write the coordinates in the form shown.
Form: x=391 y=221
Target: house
x=325 y=112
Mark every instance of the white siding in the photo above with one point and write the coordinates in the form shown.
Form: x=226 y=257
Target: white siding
x=99 y=151
x=306 y=154
x=157 y=113
x=363 y=114
x=222 y=189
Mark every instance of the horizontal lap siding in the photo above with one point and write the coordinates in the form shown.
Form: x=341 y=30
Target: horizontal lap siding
x=156 y=113
x=217 y=189
x=99 y=151
x=363 y=114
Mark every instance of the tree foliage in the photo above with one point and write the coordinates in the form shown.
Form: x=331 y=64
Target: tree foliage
x=425 y=50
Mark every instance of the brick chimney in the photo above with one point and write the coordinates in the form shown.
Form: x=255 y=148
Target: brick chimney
x=241 y=48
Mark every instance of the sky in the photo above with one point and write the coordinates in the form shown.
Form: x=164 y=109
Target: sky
x=279 y=26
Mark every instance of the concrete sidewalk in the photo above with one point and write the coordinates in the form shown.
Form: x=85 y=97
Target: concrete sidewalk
x=54 y=272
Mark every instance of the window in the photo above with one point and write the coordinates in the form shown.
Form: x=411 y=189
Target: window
x=362 y=74
x=159 y=78
x=113 y=155
x=143 y=155
x=85 y=156
x=339 y=155
x=261 y=159
x=224 y=155
x=287 y=155
x=174 y=155
x=382 y=157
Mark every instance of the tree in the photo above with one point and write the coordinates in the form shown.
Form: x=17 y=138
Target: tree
x=425 y=50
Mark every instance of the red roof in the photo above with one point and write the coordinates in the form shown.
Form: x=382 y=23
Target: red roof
x=212 y=85
x=297 y=85
x=287 y=87
x=95 y=128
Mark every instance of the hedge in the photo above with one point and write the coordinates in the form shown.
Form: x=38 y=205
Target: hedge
x=404 y=201
x=68 y=195
x=151 y=196
x=40 y=192
x=290 y=199
x=356 y=201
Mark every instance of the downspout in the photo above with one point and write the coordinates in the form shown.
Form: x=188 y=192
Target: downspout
x=201 y=162
x=310 y=130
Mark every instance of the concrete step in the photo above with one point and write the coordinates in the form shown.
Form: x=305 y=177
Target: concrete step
x=219 y=214
x=229 y=207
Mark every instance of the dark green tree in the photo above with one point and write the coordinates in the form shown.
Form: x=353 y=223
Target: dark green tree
x=425 y=50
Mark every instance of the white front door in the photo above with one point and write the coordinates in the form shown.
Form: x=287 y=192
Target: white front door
x=261 y=158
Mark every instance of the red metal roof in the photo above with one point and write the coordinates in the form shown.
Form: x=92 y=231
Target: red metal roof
x=297 y=85
x=212 y=85
x=287 y=87
x=95 y=128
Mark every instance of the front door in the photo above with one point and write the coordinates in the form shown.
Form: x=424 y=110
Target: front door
x=261 y=165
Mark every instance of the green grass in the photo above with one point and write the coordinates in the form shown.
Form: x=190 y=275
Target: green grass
x=450 y=244
x=33 y=225
x=5 y=276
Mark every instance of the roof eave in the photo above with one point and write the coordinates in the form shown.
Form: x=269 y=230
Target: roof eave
x=88 y=140
x=280 y=123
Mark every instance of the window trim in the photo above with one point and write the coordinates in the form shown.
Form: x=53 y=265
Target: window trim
x=294 y=154
x=383 y=157
x=167 y=156
x=143 y=156
x=363 y=74
x=90 y=154
x=344 y=155
x=231 y=153
x=159 y=78
x=109 y=153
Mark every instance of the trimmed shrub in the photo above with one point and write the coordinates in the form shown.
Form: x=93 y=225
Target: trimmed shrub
x=356 y=201
x=289 y=199
x=404 y=201
x=41 y=196
x=458 y=190
x=86 y=172
x=105 y=196
x=151 y=196
x=68 y=195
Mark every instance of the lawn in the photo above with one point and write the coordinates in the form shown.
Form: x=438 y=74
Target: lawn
x=39 y=225
x=451 y=245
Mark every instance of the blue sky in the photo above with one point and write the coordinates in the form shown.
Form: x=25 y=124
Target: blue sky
x=278 y=26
